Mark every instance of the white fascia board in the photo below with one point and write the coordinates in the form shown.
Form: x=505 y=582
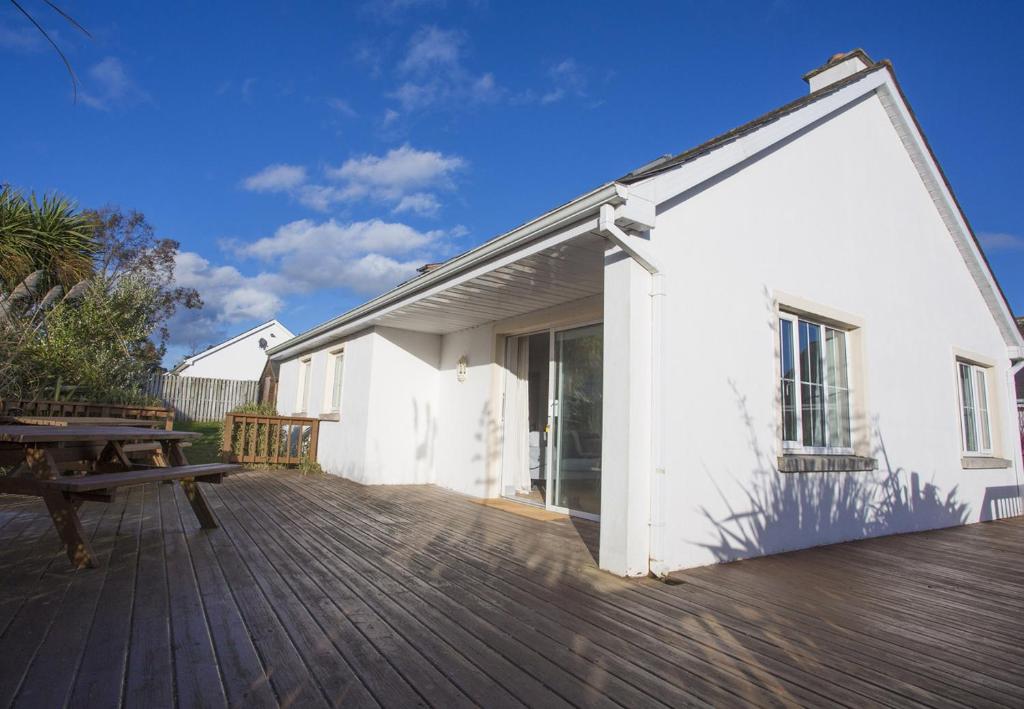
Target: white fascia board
x=511 y=246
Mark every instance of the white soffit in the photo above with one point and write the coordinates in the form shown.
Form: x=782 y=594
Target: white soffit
x=559 y=274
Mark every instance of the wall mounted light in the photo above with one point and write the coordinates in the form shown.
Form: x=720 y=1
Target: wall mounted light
x=462 y=369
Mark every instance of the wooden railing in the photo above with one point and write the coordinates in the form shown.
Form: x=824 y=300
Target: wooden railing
x=272 y=440
x=32 y=407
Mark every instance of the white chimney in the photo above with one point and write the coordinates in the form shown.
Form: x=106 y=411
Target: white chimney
x=837 y=68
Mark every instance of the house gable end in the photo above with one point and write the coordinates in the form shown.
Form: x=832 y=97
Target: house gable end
x=671 y=180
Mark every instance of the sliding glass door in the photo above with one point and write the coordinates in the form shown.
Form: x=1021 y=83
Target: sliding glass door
x=553 y=409
x=576 y=469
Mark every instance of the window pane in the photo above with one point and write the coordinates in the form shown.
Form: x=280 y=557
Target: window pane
x=789 y=432
x=967 y=409
x=305 y=387
x=339 y=361
x=812 y=389
x=838 y=389
x=983 y=423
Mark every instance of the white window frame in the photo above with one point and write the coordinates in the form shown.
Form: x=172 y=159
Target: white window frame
x=981 y=401
x=797 y=447
x=329 y=380
x=302 y=393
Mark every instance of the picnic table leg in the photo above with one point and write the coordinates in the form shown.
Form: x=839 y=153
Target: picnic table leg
x=199 y=505
x=64 y=513
x=176 y=454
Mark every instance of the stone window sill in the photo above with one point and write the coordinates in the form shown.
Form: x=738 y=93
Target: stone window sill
x=330 y=417
x=811 y=463
x=983 y=462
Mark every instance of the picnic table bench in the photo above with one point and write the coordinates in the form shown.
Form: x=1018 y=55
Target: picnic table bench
x=67 y=465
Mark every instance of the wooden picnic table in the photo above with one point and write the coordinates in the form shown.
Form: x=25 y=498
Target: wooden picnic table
x=69 y=464
x=83 y=421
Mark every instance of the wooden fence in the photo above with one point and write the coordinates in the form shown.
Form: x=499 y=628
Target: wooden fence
x=34 y=407
x=201 y=399
x=273 y=440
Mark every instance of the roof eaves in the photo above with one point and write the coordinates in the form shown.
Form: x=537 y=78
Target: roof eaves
x=502 y=243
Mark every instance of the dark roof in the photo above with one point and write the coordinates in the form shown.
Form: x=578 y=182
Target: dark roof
x=667 y=163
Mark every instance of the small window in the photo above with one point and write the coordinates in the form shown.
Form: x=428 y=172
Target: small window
x=337 y=373
x=814 y=385
x=974 y=418
x=304 y=372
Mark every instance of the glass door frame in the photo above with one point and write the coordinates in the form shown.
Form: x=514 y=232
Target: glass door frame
x=549 y=461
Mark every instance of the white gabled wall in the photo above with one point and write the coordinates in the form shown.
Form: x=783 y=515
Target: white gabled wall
x=241 y=360
x=837 y=216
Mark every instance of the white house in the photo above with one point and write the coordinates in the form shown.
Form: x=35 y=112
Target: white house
x=242 y=357
x=787 y=336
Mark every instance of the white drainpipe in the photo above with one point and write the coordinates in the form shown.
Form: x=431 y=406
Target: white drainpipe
x=611 y=231
x=1018 y=456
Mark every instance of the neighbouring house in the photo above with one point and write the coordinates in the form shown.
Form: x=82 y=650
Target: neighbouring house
x=787 y=336
x=243 y=357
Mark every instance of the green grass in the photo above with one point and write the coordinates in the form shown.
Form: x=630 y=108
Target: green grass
x=205 y=449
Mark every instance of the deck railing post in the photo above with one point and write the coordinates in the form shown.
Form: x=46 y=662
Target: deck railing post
x=227 y=445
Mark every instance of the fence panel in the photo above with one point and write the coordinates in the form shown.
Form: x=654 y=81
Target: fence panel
x=199 y=398
x=273 y=440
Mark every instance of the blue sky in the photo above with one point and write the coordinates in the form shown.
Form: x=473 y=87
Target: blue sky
x=309 y=155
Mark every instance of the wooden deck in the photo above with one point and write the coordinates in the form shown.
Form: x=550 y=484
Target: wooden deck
x=317 y=592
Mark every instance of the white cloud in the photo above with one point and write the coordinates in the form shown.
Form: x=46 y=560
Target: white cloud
x=405 y=178
x=568 y=79
x=400 y=170
x=107 y=85
x=430 y=49
x=1001 y=241
x=331 y=239
x=228 y=297
x=303 y=257
x=434 y=74
x=422 y=203
x=365 y=257
x=276 y=178
x=342 y=107
x=22 y=39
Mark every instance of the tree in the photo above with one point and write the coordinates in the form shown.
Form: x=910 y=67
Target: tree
x=99 y=339
x=128 y=248
x=98 y=347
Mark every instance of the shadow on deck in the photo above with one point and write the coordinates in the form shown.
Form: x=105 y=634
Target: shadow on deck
x=318 y=591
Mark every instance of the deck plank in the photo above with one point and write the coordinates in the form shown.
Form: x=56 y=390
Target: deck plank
x=317 y=591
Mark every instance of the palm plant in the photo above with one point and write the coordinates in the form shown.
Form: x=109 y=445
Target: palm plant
x=47 y=235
